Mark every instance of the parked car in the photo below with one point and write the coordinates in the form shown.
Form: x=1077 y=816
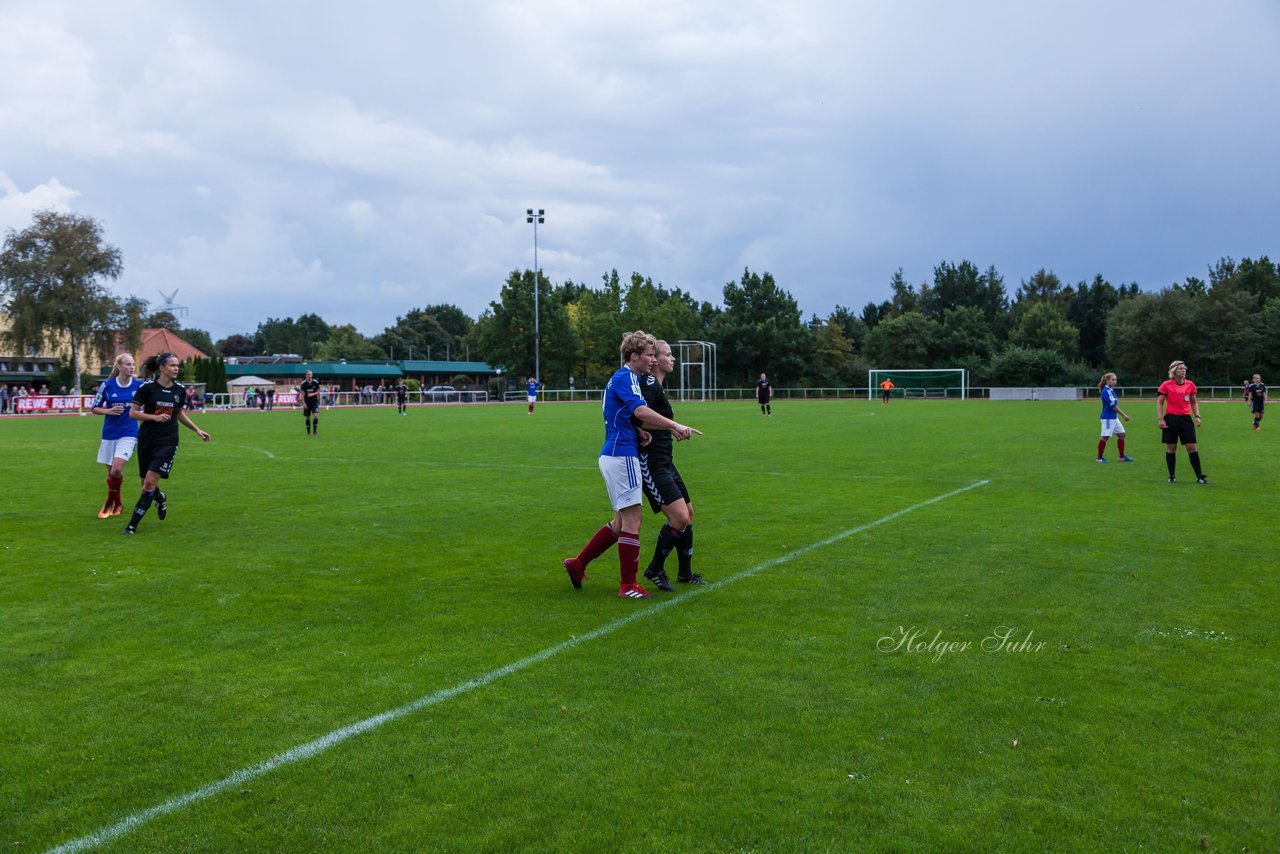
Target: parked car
x=438 y=393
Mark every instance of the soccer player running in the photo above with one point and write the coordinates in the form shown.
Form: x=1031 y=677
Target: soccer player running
x=402 y=398
x=119 y=431
x=663 y=485
x=158 y=406
x=1176 y=404
x=532 y=388
x=619 y=465
x=1256 y=393
x=309 y=391
x=1110 y=423
x=762 y=395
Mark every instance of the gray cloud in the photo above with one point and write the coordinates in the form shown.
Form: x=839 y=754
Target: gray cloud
x=357 y=162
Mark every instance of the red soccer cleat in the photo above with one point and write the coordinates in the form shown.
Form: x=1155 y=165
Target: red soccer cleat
x=576 y=572
x=632 y=591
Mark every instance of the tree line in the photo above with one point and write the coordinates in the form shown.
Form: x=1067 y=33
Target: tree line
x=1047 y=333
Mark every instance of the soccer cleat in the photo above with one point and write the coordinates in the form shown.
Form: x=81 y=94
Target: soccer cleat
x=105 y=512
x=1126 y=459
x=1103 y=460
x=115 y=510
x=692 y=578
x=576 y=572
x=162 y=509
x=1173 y=480
x=1202 y=479
x=659 y=578
x=632 y=591
x=129 y=529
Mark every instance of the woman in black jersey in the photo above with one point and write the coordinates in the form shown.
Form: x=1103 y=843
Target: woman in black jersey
x=663 y=485
x=158 y=407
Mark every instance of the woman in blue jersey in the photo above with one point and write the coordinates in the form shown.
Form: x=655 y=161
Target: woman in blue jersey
x=119 y=431
x=620 y=467
x=1110 y=423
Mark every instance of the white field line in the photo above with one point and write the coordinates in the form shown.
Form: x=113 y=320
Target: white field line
x=337 y=736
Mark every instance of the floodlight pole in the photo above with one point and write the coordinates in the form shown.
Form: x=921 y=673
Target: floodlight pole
x=531 y=217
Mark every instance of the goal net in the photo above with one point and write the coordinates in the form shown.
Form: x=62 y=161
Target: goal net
x=920 y=382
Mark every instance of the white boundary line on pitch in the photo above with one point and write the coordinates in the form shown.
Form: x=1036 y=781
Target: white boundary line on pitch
x=337 y=736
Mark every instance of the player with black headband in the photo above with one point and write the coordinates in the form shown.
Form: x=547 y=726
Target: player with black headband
x=309 y=393
x=158 y=408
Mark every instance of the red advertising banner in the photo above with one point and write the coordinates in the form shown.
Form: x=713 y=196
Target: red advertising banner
x=52 y=404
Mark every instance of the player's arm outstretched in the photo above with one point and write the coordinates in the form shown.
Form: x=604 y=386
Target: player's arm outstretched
x=184 y=419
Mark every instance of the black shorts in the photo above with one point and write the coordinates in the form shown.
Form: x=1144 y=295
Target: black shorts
x=1178 y=428
x=156 y=458
x=1257 y=406
x=310 y=407
x=662 y=483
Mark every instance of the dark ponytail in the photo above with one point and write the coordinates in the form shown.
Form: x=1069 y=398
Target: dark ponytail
x=151 y=365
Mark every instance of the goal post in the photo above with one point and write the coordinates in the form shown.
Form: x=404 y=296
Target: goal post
x=920 y=382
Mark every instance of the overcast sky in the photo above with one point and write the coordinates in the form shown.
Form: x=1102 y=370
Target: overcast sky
x=358 y=160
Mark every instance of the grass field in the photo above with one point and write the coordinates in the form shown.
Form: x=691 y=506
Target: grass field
x=211 y=684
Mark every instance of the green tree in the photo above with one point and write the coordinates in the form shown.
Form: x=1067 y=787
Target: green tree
x=832 y=355
x=505 y=332
x=759 y=330
x=962 y=286
x=299 y=336
x=417 y=335
x=1146 y=332
x=1088 y=309
x=51 y=285
x=965 y=335
x=907 y=341
x=1043 y=325
x=346 y=342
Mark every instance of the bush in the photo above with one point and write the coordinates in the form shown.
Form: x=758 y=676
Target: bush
x=1027 y=366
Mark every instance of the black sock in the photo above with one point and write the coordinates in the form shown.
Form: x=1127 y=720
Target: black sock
x=1194 y=456
x=684 y=552
x=1171 y=462
x=665 y=543
x=141 y=508
x=308 y=420
x=315 y=424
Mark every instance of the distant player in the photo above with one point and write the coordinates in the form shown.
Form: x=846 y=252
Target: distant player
x=762 y=395
x=1110 y=423
x=885 y=387
x=532 y=387
x=1256 y=393
x=157 y=405
x=1176 y=405
x=309 y=397
x=402 y=398
x=119 y=431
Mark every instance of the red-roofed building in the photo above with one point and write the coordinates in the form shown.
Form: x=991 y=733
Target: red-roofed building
x=157 y=341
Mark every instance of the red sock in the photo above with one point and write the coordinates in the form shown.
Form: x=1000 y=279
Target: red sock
x=531 y=408
x=628 y=556
x=1102 y=446
x=113 y=488
x=597 y=545
x=1120 y=445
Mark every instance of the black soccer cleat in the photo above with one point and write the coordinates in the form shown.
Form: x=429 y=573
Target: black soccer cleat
x=659 y=578
x=692 y=578
x=1202 y=479
x=162 y=509
x=129 y=529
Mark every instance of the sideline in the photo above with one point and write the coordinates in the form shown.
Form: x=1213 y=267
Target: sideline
x=337 y=736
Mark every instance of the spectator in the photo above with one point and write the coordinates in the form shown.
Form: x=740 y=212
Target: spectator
x=4 y=399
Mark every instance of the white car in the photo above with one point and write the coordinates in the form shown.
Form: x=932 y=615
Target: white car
x=440 y=392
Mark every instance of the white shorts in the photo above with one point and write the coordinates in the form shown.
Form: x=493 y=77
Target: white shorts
x=112 y=449
x=1112 y=426
x=533 y=398
x=622 y=479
